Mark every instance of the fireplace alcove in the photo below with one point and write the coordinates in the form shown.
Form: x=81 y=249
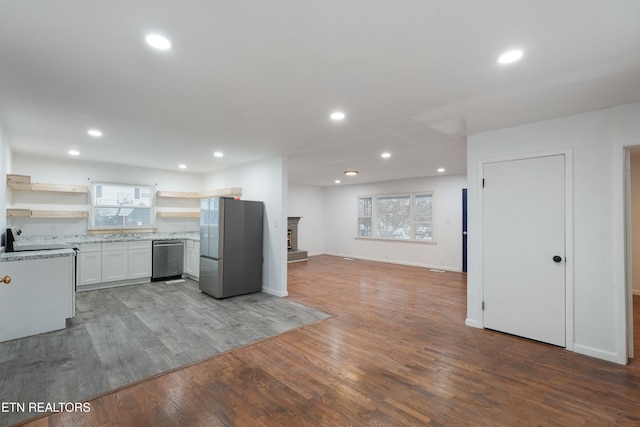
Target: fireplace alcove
x=293 y=253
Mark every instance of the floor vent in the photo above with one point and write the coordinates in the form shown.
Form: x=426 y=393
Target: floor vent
x=171 y=282
x=436 y=271
x=348 y=259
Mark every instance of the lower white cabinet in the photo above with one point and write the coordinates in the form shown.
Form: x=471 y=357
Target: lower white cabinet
x=192 y=259
x=39 y=297
x=89 y=264
x=115 y=261
x=140 y=259
x=128 y=262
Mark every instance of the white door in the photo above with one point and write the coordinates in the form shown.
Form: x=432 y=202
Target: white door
x=524 y=248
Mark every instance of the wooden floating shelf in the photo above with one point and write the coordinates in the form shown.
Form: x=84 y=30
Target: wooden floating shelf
x=21 y=179
x=221 y=192
x=178 y=194
x=18 y=213
x=122 y=231
x=23 y=183
x=56 y=188
x=59 y=214
x=28 y=213
x=178 y=214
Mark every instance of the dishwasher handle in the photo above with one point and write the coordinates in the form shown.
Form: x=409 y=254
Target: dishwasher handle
x=168 y=243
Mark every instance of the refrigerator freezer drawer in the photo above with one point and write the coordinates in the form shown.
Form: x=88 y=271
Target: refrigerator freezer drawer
x=210 y=280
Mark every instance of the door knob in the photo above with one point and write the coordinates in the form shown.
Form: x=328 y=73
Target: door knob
x=6 y=280
x=557 y=258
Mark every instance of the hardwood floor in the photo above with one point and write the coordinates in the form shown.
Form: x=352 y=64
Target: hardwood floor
x=126 y=334
x=396 y=353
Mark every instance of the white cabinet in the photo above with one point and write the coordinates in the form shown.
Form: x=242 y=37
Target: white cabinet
x=103 y=265
x=115 y=261
x=192 y=259
x=140 y=259
x=39 y=297
x=90 y=264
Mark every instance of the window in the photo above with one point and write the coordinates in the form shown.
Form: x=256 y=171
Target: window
x=365 y=209
x=404 y=216
x=393 y=217
x=423 y=216
x=122 y=205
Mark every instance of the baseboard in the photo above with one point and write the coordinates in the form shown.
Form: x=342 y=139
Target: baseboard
x=390 y=261
x=106 y=285
x=274 y=292
x=599 y=354
x=473 y=323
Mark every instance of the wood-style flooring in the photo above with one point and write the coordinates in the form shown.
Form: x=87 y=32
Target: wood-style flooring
x=126 y=334
x=395 y=353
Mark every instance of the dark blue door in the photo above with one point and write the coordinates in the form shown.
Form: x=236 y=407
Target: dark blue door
x=464 y=230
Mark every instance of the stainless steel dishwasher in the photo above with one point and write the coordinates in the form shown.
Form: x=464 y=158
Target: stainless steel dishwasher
x=168 y=259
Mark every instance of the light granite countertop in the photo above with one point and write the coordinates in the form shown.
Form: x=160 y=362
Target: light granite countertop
x=107 y=238
x=28 y=255
x=79 y=239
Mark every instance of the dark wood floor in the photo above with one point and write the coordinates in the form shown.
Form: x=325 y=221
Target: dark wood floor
x=396 y=353
x=126 y=334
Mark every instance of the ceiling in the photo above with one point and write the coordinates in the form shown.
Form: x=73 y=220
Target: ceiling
x=257 y=79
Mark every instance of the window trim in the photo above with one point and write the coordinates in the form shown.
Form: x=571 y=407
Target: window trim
x=93 y=206
x=412 y=197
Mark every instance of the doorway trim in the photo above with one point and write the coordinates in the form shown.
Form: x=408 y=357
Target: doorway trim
x=623 y=262
x=568 y=209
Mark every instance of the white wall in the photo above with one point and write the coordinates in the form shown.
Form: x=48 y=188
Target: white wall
x=78 y=172
x=595 y=139
x=308 y=202
x=5 y=168
x=341 y=213
x=265 y=181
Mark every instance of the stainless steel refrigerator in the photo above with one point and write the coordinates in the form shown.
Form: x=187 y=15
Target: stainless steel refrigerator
x=230 y=246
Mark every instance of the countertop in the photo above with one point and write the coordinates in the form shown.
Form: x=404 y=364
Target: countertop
x=79 y=239
x=107 y=238
x=27 y=255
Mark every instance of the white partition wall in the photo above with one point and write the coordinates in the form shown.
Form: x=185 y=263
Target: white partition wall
x=595 y=139
x=266 y=181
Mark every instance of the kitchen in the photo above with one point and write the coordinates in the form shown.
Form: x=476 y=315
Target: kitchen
x=175 y=227
x=175 y=217
x=63 y=172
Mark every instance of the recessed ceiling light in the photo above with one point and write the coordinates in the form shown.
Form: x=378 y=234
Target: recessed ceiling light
x=441 y=170
x=95 y=133
x=158 y=42
x=337 y=181
x=74 y=152
x=385 y=155
x=337 y=116
x=509 y=57
x=218 y=154
x=182 y=166
x=351 y=173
